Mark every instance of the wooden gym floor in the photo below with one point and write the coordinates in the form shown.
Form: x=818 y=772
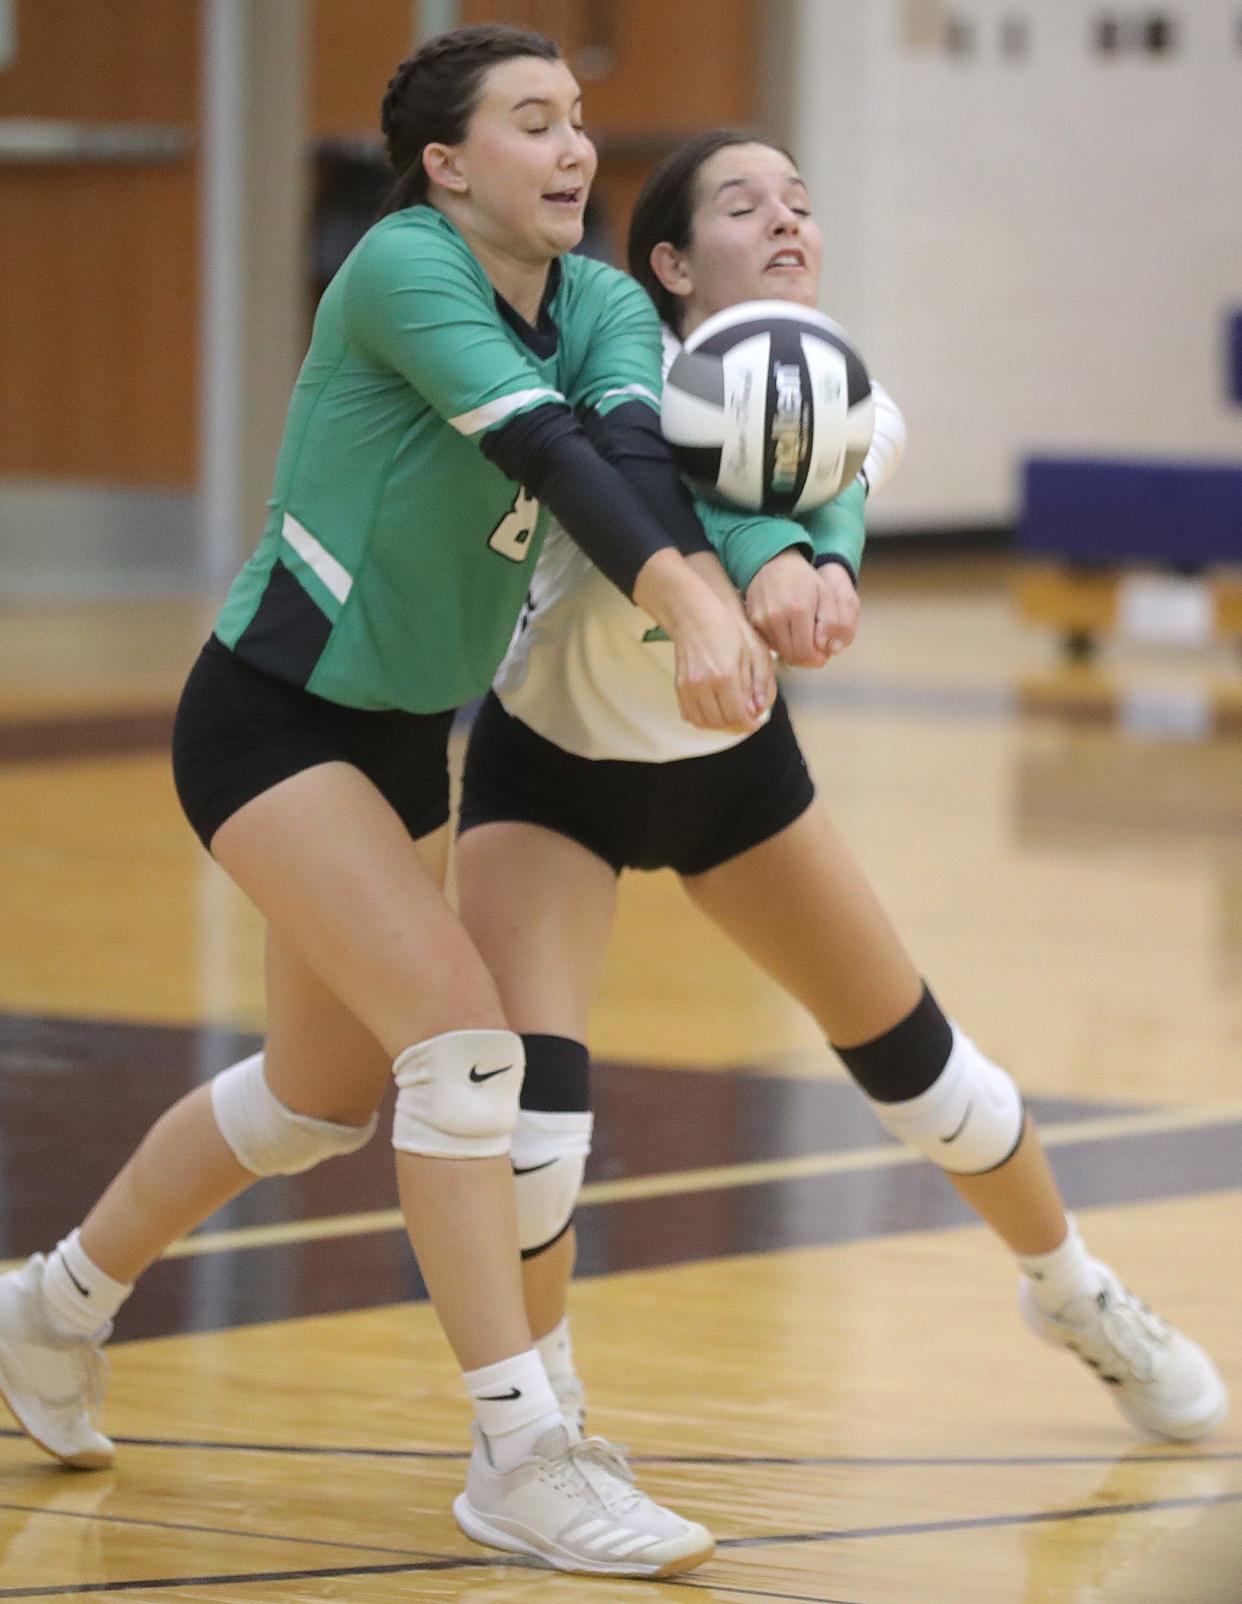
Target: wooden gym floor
x=801 y=1335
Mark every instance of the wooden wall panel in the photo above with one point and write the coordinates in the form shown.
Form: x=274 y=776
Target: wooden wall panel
x=103 y=60
x=98 y=263
x=350 y=65
x=662 y=64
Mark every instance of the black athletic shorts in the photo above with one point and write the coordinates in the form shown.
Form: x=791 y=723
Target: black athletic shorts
x=239 y=732
x=689 y=815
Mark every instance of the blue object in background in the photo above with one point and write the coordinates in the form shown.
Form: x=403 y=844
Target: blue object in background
x=1103 y=511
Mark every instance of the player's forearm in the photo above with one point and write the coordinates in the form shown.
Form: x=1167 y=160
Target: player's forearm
x=674 y=590
x=547 y=451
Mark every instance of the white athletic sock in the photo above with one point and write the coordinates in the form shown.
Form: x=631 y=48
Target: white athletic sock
x=79 y=1298
x=514 y=1404
x=1061 y=1278
x=557 y=1352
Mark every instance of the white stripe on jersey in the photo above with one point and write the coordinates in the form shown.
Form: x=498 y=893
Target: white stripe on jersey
x=496 y=411
x=317 y=558
x=633 y=389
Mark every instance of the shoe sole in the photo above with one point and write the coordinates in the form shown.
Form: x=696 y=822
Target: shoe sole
x=480 y=1530
x=87 y=1459
x=1188 y=1429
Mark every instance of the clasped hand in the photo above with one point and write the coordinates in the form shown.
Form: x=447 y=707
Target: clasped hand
x=806 y=615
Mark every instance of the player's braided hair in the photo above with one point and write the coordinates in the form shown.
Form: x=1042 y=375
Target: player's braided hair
x=432 y=95
x=664 y=210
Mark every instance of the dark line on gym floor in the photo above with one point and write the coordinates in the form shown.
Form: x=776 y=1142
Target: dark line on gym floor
x=757 y=1592
x=1186 y=1456
x=157 y=1584
x=982 y=1522
x=217 y=1531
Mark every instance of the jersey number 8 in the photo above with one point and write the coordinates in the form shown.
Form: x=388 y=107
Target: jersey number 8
x=511 y=536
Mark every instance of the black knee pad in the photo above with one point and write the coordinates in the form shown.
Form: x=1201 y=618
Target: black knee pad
x=551 y=1140
x=905 y=1061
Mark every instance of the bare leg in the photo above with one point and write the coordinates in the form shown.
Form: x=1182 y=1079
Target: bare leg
x=540 y=909
x=545 y=1284
x=182 y=1172
x=330 y=865
x=318 y=1060
x=801 y=907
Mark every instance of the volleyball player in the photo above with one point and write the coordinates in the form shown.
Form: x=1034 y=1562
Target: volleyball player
x=578 y=769
x=464 y=374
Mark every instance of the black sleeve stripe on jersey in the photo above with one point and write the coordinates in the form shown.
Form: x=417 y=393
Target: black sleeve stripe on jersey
x=547 y=450
x=629 y=437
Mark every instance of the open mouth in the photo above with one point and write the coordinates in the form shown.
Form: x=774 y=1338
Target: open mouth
x=793 y=261
x=564 y=197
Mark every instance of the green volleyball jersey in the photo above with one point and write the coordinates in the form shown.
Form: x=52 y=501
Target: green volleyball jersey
x=396 y=557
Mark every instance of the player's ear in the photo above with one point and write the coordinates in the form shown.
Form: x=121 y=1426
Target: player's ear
x=669 y=266
x=441 y=166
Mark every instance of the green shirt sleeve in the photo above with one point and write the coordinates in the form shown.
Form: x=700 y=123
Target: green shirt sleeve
x=622 y=361
x=838 y=528
x=418 y=303
x=744 y=541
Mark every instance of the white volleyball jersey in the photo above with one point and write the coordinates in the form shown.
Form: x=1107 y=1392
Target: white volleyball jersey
x=584 y=668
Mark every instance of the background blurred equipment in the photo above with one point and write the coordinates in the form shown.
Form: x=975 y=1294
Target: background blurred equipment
x=1151 y=550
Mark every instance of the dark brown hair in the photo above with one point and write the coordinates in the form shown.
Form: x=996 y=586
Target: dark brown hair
x=431 y=97
x=664 y=209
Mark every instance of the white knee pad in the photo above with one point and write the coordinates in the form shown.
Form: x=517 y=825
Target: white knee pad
x=457 y=1094
x=968 y=1121
x=268 y=1138
x=549 y=1154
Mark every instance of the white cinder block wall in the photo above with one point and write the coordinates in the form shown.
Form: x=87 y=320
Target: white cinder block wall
x=1035 y=250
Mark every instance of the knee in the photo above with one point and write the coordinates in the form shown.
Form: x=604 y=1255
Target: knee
x=267 y=1138
x=457 y=1094
x=551 y=1141
x=931 y=1087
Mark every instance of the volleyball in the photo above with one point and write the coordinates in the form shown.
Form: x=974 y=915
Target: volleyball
x=768 y=406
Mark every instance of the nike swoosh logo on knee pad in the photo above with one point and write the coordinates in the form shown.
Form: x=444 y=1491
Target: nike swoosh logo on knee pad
x=953 y=1138
x=531 y=1168
x=488 y=1074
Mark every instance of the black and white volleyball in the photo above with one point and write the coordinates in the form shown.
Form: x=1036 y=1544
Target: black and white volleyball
x=768 y=406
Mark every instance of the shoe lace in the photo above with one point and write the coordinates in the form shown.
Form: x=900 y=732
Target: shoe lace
x=603 y=1467
x=1131 y=1330
x=94 y=1379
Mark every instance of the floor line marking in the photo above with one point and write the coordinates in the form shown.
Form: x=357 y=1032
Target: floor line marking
x=159 y=1584
x=983 y=1522
x=1190 y=1455
x=219 y=1531
x=1105 y=1127
x=719 y=1589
